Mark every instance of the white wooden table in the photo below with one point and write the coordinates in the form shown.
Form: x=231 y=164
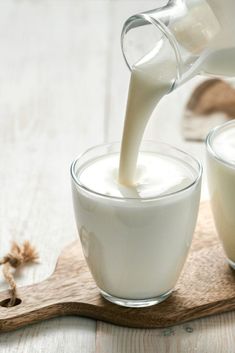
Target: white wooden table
x=63 y=86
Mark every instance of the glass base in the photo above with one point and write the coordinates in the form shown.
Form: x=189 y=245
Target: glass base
x=135 y=303
x=231 y=264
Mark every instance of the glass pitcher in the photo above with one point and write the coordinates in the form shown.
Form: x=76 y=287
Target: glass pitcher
x=198 y=34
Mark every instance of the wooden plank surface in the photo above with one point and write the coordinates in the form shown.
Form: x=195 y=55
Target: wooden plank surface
x=63 y=88
x=51 y=109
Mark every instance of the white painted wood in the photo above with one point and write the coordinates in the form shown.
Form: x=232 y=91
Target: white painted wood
x=215 y=334
x=51 y=109
x=63 y=86
x=63 y=335
x=52 y=94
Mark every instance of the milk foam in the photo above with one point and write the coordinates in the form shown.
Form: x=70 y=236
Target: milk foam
x=157 y=175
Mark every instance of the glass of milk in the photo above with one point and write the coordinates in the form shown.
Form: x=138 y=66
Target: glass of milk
x=136 y=239
x=221 y=181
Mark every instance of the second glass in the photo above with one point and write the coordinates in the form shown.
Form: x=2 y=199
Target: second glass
x=221 y=181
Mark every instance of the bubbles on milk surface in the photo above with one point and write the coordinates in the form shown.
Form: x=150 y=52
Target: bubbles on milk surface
x=156 y=175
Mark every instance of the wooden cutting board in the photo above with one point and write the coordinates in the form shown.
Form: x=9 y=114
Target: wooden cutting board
x=206 y=287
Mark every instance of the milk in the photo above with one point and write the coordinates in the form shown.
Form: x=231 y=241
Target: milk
x=197 y=29
x=207 y=30
x=151 y=79
x=221 y=182
x=135 y=240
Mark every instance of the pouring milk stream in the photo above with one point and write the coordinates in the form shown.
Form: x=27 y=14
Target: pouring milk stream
x=208 y=28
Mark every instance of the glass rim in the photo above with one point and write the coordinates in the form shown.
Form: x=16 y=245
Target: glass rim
x=209 y=143
x=143 y=199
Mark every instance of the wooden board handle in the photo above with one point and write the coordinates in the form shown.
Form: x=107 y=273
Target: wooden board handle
x=43 y=300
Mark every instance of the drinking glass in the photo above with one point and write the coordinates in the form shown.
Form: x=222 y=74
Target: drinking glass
x=221 y=184
x=136 y=247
